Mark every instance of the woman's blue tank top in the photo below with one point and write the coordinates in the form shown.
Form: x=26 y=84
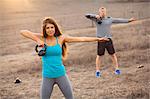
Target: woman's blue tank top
x=52 y=65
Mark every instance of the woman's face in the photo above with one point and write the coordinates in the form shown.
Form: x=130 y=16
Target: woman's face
x=50 y=29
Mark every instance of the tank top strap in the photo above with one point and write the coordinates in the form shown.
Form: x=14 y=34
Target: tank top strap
x=45 y=40
x=57 y=40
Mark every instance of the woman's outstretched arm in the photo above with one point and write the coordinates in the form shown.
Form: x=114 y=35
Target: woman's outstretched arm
x=33 y=36
x=70 y=39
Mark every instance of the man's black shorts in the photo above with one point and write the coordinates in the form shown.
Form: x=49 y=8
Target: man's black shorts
x=108 y=45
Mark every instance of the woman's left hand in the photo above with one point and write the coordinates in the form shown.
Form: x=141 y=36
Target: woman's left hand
x=132 y=19
x=103 y=39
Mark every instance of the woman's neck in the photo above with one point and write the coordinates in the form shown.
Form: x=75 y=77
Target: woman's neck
x=51 y=40
x=50 y=37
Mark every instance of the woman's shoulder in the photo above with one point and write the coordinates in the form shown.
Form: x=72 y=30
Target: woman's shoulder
x=62 y=37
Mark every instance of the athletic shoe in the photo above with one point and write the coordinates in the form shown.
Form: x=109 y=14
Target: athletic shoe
x=117 y=72
x=97 y=74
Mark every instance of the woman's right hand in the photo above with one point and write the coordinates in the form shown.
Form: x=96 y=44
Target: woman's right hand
x=132 y=19
x=40 y=43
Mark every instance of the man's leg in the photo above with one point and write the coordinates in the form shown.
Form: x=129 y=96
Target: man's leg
x=115 y=61
x=100 y=53
x=98 y=62
x=111 y=51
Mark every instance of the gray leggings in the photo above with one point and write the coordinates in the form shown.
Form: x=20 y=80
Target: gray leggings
x=62 y=82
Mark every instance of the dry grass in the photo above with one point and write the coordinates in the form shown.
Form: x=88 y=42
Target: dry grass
x=131 y=52
x=132 y=44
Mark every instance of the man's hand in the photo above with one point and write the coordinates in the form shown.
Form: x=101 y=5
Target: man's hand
x=97 y=16
x=88 y=16
x=132 y=19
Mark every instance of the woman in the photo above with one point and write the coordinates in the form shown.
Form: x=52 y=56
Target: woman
x=53 y=70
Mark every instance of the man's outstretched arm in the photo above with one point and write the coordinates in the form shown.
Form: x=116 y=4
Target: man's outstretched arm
x=121 y=20
x=91 y=17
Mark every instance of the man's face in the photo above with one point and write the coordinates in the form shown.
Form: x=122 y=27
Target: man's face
x=102 y=12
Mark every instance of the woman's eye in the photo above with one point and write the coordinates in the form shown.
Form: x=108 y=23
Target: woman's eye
x=52 y=27
x=47 y=27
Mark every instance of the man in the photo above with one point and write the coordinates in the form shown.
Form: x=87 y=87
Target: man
x=103 y=24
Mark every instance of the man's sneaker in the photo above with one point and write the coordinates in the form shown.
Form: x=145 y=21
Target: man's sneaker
x=97 y=74
x=117 y=72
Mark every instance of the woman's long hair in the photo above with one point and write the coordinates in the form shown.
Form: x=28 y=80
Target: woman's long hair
x=57 y=33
